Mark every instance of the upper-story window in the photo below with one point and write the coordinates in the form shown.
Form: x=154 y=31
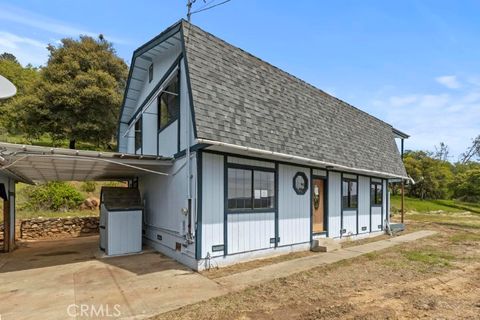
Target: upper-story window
x=376 y=193
x=138 y=135
x=349 y=194
x=150 y=73
x=169 y=103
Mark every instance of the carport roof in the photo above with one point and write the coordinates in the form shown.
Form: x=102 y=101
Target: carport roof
x=31 y=164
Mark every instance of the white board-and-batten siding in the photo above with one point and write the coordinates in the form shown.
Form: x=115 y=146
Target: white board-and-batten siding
x=212 y=203
x=293 y=209
x=363 y=204
x=334 y=204
x=250 y=231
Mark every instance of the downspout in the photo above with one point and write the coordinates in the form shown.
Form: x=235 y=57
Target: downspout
x=189 y=180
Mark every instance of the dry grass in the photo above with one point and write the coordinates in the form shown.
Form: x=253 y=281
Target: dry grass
x=435 y=277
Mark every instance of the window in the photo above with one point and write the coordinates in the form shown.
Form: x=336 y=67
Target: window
x=349 y=194
x=300 y=183
x=150 y=73
x=250 y=189
x=376 y=193
x=138 y=135
x=169 y=104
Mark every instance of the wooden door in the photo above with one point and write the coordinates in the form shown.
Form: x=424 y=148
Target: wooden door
x=318 y=206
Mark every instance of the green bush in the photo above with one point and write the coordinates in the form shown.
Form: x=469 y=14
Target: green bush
x=88 y=186
x=56 y=196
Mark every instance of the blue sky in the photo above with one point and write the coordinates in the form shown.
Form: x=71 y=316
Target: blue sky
x=414 y=64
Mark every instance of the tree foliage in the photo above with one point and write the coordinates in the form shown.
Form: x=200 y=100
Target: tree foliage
x=432 y=176
x=55 y=196
x=78 y=95
x=25 y=79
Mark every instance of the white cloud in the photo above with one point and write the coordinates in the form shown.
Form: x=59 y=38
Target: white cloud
x=453 y=118
x=450 y=82
x=27 y=50
x=400 y=101
x=10 y=40
x=39 y=22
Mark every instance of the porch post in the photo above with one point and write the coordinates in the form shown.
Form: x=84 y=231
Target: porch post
x=402 y=190
x=403 y=200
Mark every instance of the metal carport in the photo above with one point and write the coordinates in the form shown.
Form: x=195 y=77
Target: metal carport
x=33 y=164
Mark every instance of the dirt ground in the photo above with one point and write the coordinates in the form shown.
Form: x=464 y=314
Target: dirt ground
x=434 y=278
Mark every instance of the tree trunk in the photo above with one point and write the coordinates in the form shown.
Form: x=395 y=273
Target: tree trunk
x=72 y=143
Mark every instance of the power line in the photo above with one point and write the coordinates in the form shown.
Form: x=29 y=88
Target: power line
x=212 y=6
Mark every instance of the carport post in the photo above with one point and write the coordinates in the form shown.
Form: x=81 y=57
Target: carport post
x=6 y=226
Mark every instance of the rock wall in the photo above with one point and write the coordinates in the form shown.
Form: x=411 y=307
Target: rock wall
x=55 y=228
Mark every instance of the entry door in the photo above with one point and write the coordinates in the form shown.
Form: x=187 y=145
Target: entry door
x=318 y=206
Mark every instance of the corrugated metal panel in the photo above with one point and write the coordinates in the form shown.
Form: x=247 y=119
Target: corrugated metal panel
x=250 y=162
x=250 y=231
x=363 y=204
x=212 y=203
x=167 y=140
x=376 y=218
x=293 y=209
x=334 y=204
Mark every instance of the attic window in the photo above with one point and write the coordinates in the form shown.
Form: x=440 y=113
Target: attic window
x=169 y=104
x=150 y=73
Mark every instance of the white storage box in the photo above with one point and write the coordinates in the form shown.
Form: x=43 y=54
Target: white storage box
x=121 y=214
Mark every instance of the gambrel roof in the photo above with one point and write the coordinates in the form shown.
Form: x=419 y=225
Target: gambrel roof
x=242 y=100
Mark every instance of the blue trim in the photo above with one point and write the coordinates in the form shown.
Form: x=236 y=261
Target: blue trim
x=358 y=204
x=277 y=231
x=242 y=211
x=341 y=204
x=327 y=213
x=249 y=167
x=311 y=203
x=198 y=230
x=252 y=169
x=370 y=201
x=189 y=85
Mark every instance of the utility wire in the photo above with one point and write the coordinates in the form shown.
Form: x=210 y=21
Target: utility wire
x=213 y=6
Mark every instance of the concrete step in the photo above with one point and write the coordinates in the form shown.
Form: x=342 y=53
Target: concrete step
x=325 y=245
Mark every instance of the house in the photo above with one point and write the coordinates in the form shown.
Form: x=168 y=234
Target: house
x=234 y=158
x=261 y=162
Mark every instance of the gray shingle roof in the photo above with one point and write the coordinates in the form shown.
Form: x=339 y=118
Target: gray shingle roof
x=242 y=100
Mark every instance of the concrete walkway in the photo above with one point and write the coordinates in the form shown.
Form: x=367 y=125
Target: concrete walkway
x=241 y=280
x=54 y=279
x=62 y=279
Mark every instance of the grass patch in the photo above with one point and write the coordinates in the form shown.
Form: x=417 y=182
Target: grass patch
x=418 y=205
x=465 y=237
x=430 y=257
